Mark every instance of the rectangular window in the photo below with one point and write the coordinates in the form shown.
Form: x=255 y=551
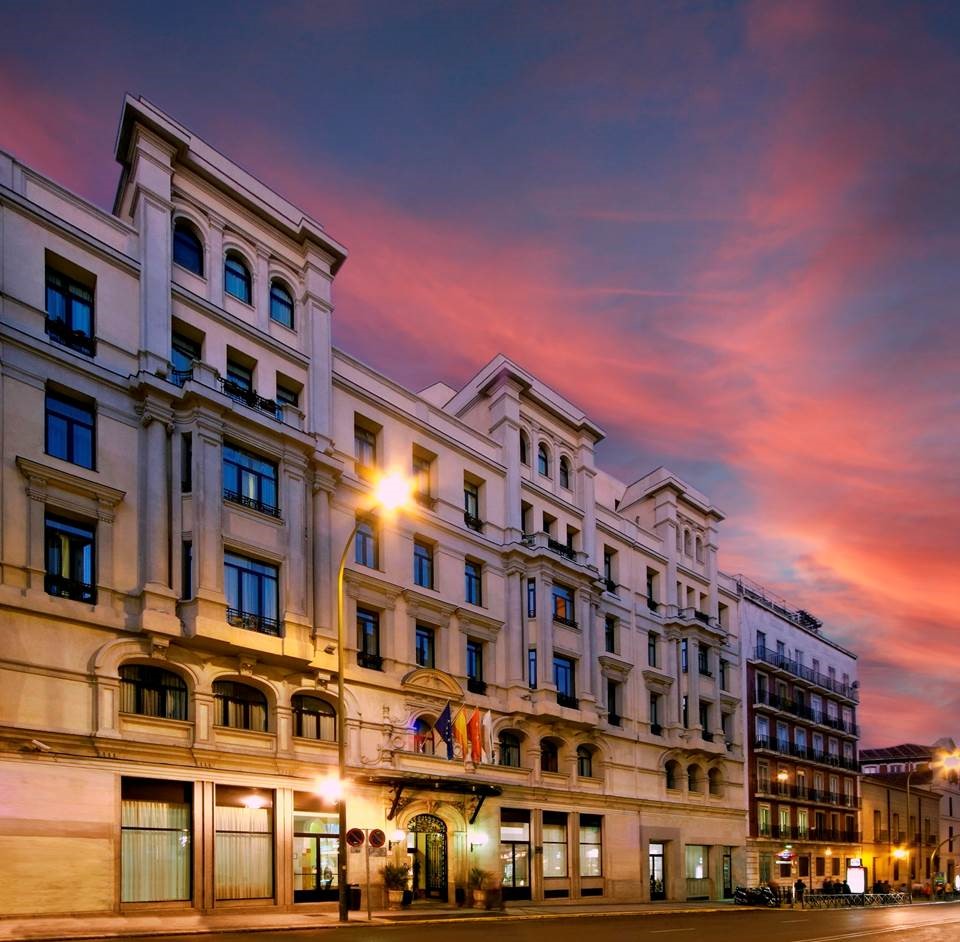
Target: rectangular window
x=554 y=844
x=368 y=639
x=610 y=634
x=70 y=562
x=287 y=395
x=239 y=380
x=366 y=544
x=475 y=682
x=766 y=868
x=471 y=505
x=531 y=598
x=696 y=861
x=784 y=822
x=652 y=590
x=613 y=703
x=423 y=564
x=652 y=645
x=763 y=820
x=515 y=848
x=70 y=425
x=186 y=570
x=685 y=711
x=186 y=462
x=563 y=605
x=532 y=668
x=705 y=718
x=564 y=677
x=252 y=590
x=70 y=313
x=703 y=660
x=155 y=840
x=724 y=674
x=655 y=726
x=803 y=823
x=591 y=845
x=473 y=583
x=422 y=466
x=250 y=480
x=425 y=646
x=184 y=352
x=763 y=777
x=243 y=844
x=365 y=446
x=684 y=652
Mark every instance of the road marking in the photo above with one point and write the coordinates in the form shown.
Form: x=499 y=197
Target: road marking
x=788 y=922
x=661 y=931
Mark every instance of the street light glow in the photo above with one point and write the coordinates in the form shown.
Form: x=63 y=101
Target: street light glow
x=330 y=788
x=393 y=491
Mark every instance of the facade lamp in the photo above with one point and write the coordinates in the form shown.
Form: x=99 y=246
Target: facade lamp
x=477 y=839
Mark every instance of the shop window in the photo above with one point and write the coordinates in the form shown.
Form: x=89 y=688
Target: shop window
x=554 y=844
x=243 y=843
x=591 y=846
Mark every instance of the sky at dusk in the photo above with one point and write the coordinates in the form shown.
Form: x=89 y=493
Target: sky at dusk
x=730 y=232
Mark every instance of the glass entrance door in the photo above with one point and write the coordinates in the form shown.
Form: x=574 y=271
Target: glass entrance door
x=515 y=853
x=314 y=857
x=658 y=888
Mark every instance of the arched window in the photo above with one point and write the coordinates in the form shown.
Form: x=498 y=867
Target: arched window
x=671 y=773
x=565 y=473
x=240 y=706
x=715 y=782
x=314 y=718
x=543 y=460
x=686 y=543
x=510 y=750
x=152 y=691
x=524 y=448
x=236 y=277
x=424 y=740
x=281 y=304
x=699 y=550
x=584 y=762
x=187 y=247
x=549 y=758
x=694 y=782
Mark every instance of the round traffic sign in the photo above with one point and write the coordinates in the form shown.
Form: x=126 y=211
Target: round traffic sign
x=377 y=838
x=355 y=837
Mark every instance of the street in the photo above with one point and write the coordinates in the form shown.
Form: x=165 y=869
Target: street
x=937 y=923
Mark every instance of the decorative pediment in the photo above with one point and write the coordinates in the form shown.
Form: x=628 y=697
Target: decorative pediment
x=612 y=665
x=375 y=592
x=427 y=607
x=481 y=625
x=70 y=491
x=656 y=679
x=432 y=682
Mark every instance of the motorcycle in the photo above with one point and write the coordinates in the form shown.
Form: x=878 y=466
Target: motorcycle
x=755 y=896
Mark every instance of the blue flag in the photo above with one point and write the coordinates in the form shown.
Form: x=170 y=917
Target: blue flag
x=444 y=729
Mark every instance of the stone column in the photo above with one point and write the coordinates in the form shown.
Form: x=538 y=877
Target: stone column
x=215 y=260
x=545 y=640
x=512 y=636
x=261 y=293
x=208 y=506
x=294 y=513
x=324 y=614
x=318 y=311
x=504 y=395
x=589 y=674
x=586 y=492
x=714 y=596
x=155 y=515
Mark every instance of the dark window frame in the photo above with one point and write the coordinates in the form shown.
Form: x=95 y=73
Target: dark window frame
x=244 y=696
x=72 y=412
x=368 y=639
x=281 y=302
x=473 y=582
x=78 y=302
x=236 y=273
x=423 y=565
x=188 y=250
x=300 y=707
x=425 y=646
x=253 y=613
x=138 y=679
x=243 y=468
x=81 y=542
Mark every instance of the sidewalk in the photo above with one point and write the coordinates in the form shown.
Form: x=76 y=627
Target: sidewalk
x=108 y=926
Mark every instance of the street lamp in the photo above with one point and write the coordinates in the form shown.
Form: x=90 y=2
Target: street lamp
x=391 y=493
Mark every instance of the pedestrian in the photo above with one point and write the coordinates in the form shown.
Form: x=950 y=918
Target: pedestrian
x=798 y=889
x=828 y=886
x=845 y=888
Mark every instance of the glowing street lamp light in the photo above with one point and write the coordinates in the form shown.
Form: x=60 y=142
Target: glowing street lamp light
x=392 y=492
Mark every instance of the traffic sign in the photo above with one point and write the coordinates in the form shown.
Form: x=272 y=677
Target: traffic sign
x=355 y=837
x=377 y=838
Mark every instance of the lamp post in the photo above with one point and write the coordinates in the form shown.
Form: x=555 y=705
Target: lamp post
x=390 y=493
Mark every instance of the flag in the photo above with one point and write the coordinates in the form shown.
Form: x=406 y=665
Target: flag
x=476 y=736
x=487 y=737
x=460 y=733
x=444 y=729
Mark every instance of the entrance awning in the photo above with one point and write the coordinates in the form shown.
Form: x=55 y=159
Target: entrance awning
x=420 y=784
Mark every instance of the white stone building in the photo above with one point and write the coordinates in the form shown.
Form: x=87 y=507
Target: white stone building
x=183 y=460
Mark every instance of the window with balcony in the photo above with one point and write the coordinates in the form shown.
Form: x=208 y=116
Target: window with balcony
x=366 y=544
x=764 y=820
x=252 y=590
x=314 y=718
x=424 y=737
x=70 y=312
x=152 y=691
x=423 y=564
x=368 y=639
x=610 y=634
x=187 y=247
x=563 y=605
x=471 y=504
x=249 y=480
x=614 y=706
x=656 y=721
x=70 y=563
x=473 y=582
x=475 y=681
x=425 y=645
x=239 y=381
x=239 y=706
x=236 y=277
x=70 y=425
x=564 y=678
x=287 y=393
x=184 y=352
x=281 y=304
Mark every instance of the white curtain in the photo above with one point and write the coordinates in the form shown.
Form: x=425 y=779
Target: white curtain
x=243 y=855
x=155 y=851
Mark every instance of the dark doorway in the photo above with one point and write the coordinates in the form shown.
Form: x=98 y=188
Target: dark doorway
x=727 y=874
x=430 y=856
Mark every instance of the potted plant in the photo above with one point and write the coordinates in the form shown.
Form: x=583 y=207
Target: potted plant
x=477 y=881
x=395 y=880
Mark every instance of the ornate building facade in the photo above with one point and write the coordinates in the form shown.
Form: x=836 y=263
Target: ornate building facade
x=184 y=459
